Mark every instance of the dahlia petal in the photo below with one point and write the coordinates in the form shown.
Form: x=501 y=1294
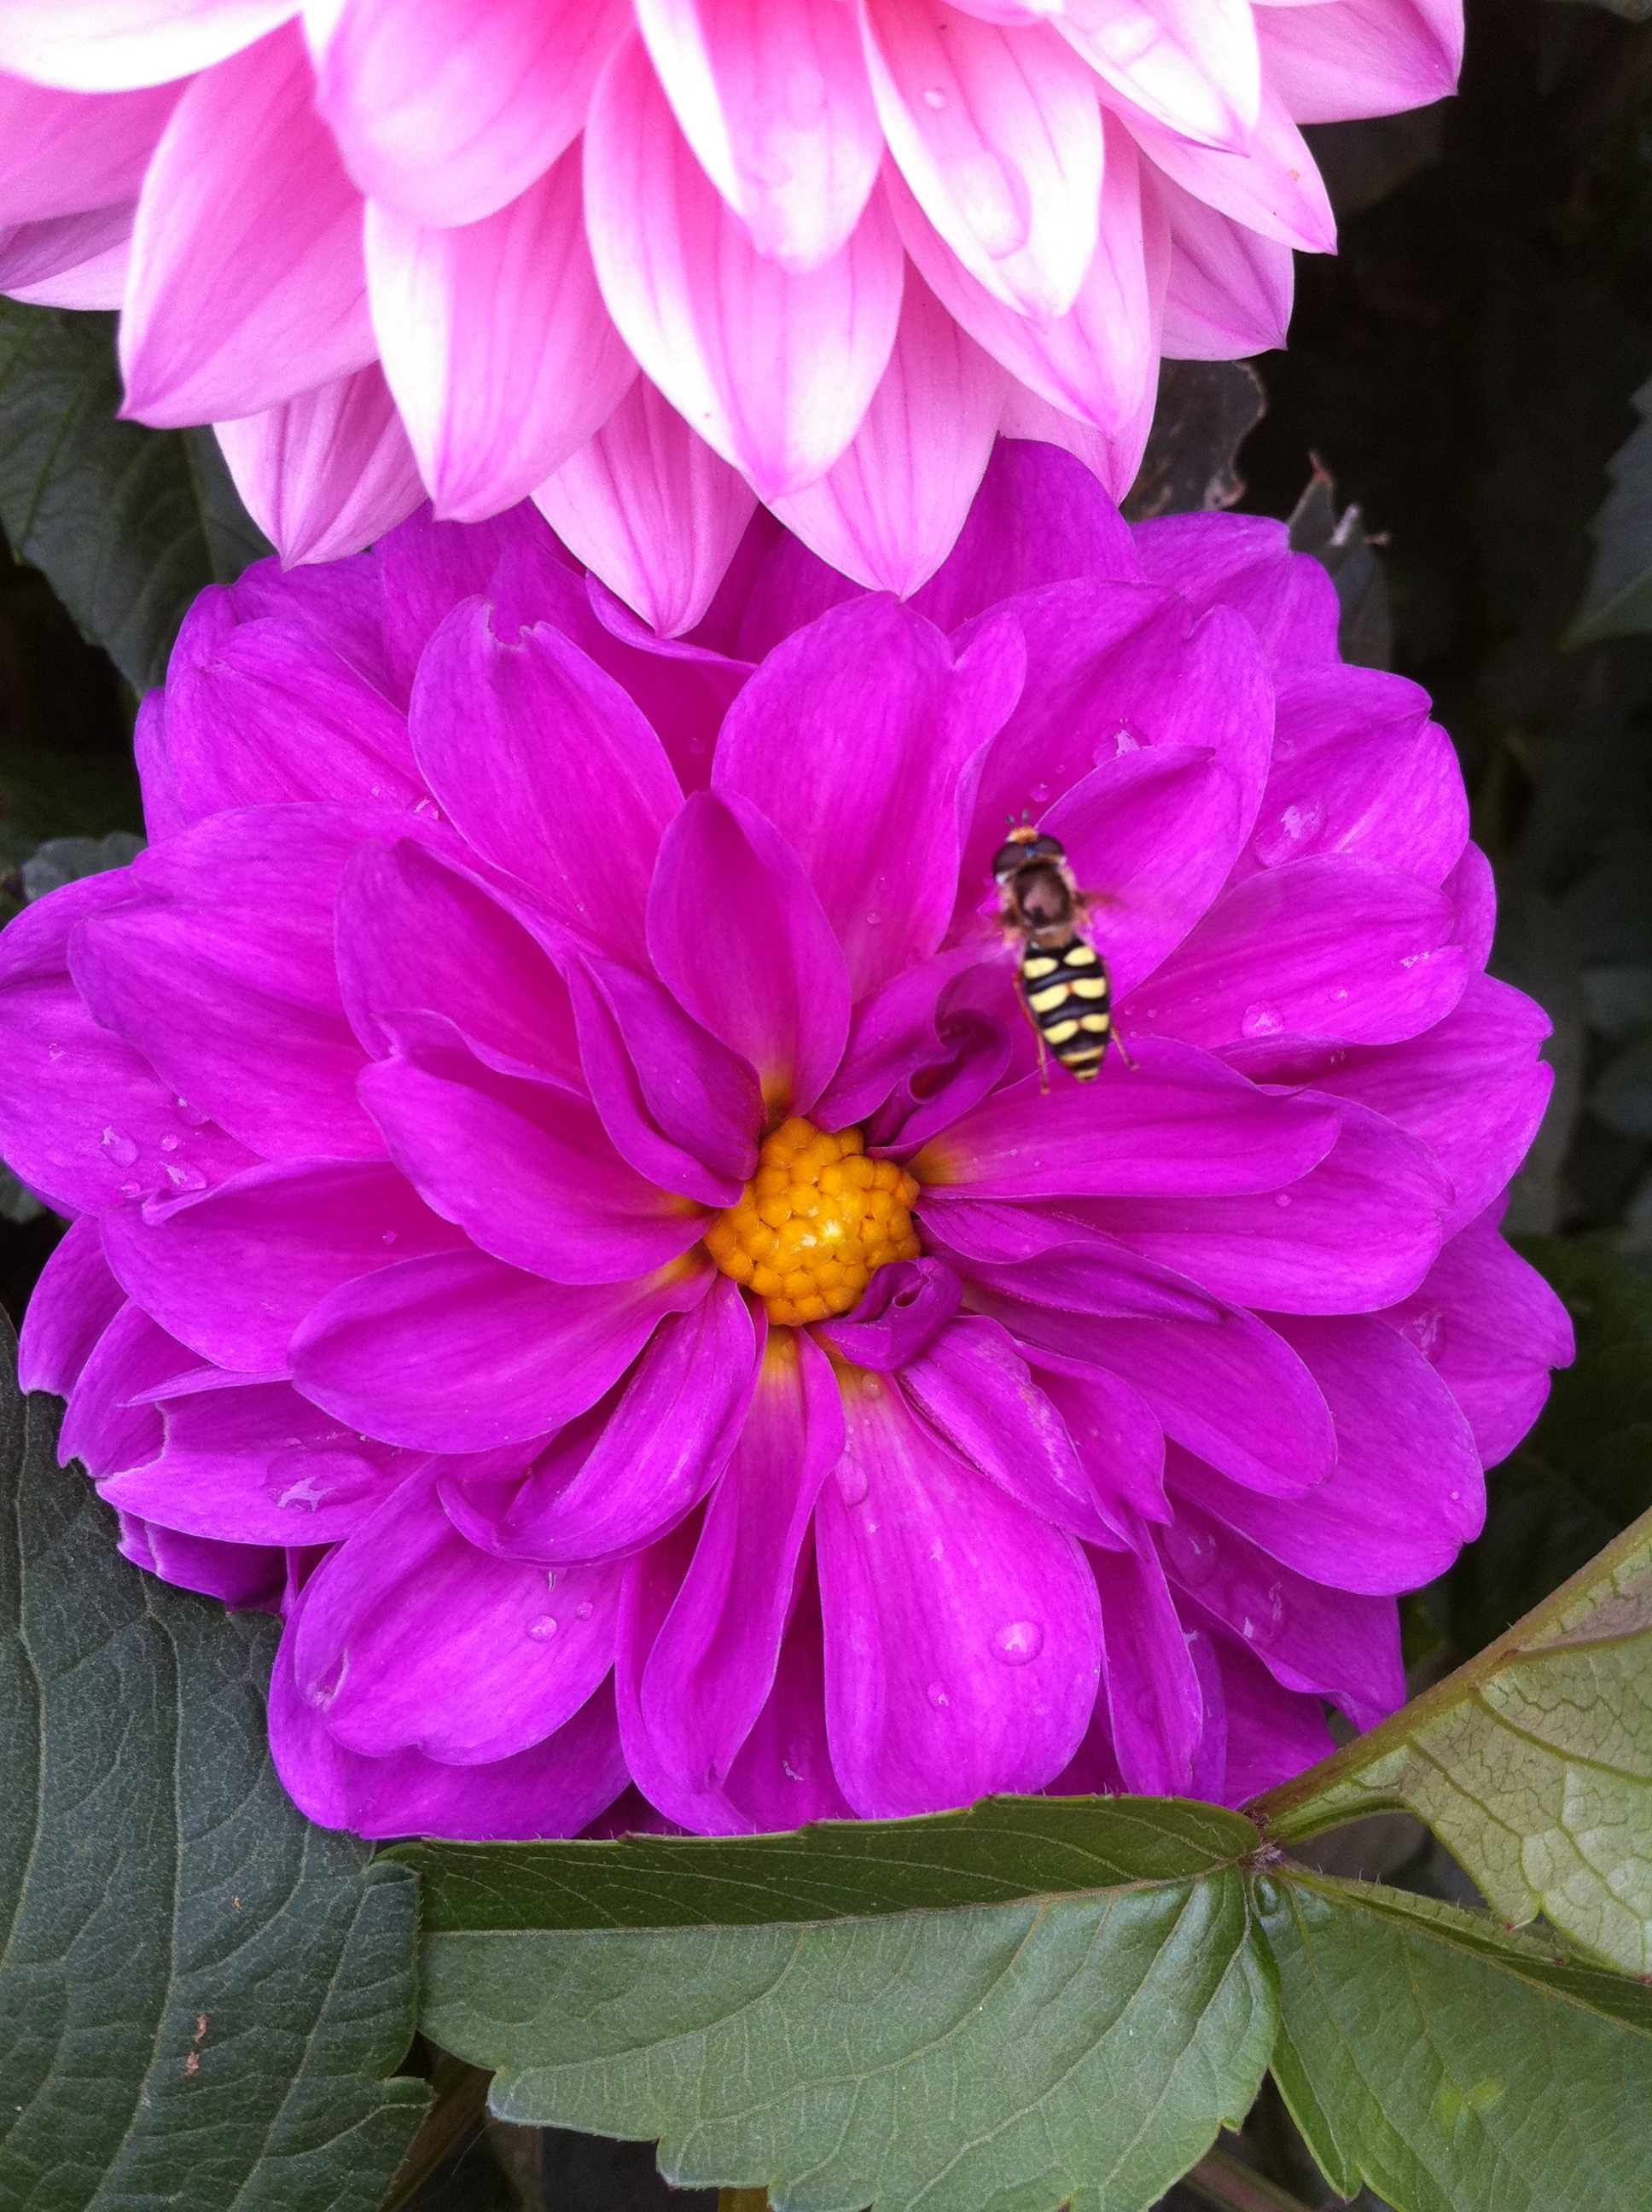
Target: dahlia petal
x=1406 y=1492
x=1112 y=668
x=247 y=285
x=678 y=1104
x=259 y=712
x=1210 y=1765
x=773 y=370
x=459 y=1353
x=1309 y=1637
x=888 y=510
x=69 y=261
x=526 y=1168
x=1039 y=518
x=972 y=1057
x=1180 y=1121
x=771 y=982
x=414 y=936
x=1358 y=57
x=713 y=1662
x=1151 y=835
x=461 y=315
x=1491 y=1329
x=1325 y=947
x=73 y=1302
x=1150 y=1682
x=1230 y=1389
x=219 y=970
x=1471 y=888
x=341 y=605
x=683 y=691
x=1359 y=768
x=1273 y=1733
x=1000 y=138
x=972 y=1386
x=232 y=1272
x=548 y=770
x=963 y=1636
x=1191 y=66
x=658 y=1452
x=1113 y=457
x=257 y=1465
x=1229 y=291
x=1358 y=1231
x=775 y=104
x=326 y=472
x=1244 y=563
x=446 y=117
x=1119 y=1442
x=426 y=569
x=1274 y=187
x=652 y=508
x=1097 y=360
x=555 y=1787
x=871 y=696
x=107 y=45
x=106 y=1425
x=410 y=1639
x=246 y=1577
x=905 y=1304
x=782 y=1773
x=84 y=1119
x=989 y=1243
x=891 y=1033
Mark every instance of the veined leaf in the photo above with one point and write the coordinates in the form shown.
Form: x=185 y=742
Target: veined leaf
x=1452 y=2067
x=1533 y=1764
x=1036 y=2002
x=200 y=1994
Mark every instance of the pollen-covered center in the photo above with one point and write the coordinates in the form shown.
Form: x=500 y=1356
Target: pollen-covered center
x=813 y=1222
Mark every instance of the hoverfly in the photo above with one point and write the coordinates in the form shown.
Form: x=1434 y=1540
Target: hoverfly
x=1062 y=979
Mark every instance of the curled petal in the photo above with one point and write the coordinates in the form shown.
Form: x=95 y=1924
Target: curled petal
x=73 y=1302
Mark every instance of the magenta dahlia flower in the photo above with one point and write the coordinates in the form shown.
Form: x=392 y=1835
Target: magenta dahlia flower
x=567 y=1210
x=653 y=263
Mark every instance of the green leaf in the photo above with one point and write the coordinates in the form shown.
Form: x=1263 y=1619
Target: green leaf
x=201 y=1996
x=1533 y=1764
x=129 y=524
x=1034 y=2003
x=1451 y=2067
x=1619 y=600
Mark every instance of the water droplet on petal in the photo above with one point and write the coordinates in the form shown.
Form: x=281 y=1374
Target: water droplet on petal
x=390 y=1237
x=1018 y=1641
x=185 y=1112
x=170 y=1144
x=1282 y=1197
x=937 y=1695
x=584 y=1610
x=851 y=1481
x=874 y=919
x=1262 y=1020
x=543 y=1629
x=1039 y=794
x=119 y=1148
x=183 y=1178
x=1192 y=1553
x=132 y=1190
x=934 y=98
x=54 y=1052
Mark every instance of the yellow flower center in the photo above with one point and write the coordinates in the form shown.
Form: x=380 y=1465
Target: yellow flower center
x=813 y=1222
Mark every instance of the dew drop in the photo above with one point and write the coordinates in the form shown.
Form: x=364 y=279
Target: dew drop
x=874 y=919
x=1039 y=794
x=170 y=1144
x=185 y=1178
x=132 y=1189
x=1018 y=1641
x=1262 y=1020
x=583 y=1610
x=871 y=1388
x=389 y=1236
x=185 y=1112
x=1192 y=1553
x=934 y=98
x=937 y=1695
x=1127 y=738
x=54 y=1052
x=789 y=1771
x=119 y=1148
x=1426 y=1330
x=851 y=1481
x=543 y=1629
x=1282 y=1197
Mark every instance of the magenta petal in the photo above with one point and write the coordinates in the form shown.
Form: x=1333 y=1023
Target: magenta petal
x=555 y=1789
x=258 y=1465
x=232 y=1271
x=1471 y=888
x=1150 y=1681
x=1273 y=1733
x=1406 y=1492
x=962 y=1635
x=892 y=1034
x=714 y=1661
x=107 y=1424
x=659 y=1449
x=782 y=1773
x=1244 y=562
x=770 y=980
x=905 y=1305
x=548 y=770
x=74 y=1302
x=1118 y=1441
x=64 y=153
x=410 y=1639
x=971 y=1057
x=974 y=1388
x=871 y=696
x=1490 y=1328
x=247 y=1577
x=1180 y=1121
x=459 y=1353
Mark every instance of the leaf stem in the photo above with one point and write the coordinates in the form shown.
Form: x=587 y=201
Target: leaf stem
x=458 y=2098
x=1226 y=2181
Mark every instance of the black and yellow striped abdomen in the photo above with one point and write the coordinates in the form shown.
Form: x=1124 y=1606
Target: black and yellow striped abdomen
x=1068 y=995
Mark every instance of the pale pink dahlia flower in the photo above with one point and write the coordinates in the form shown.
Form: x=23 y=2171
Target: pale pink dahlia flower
x=652 y=261
x=523 y=1038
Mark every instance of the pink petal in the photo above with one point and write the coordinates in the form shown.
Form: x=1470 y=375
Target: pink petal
x=962 y=1641
x=108 y=46
x=771 y=980
x=1150 y=1682
x=775 y=104
x=1242 y=565
x=1273 y=1733
x=63 y=153
x=1229 y=290
x=70 y=261
x=1472 y=890
x=1189 y=64
x=247 y=284
x=109 y=1425
x=782 y=1773
x=1119 y=1442
x=774 y=371
x=650 y=506
x=1356 y=57
x=905 y=1306
x=1112 y=458
x=1272 y=187
x=548 y=770
x=325 y=473
x=461 y=1354
x=444 y=117
x=999 y=136
x=73 y=1302
x=495 y=342
x=889 y=511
